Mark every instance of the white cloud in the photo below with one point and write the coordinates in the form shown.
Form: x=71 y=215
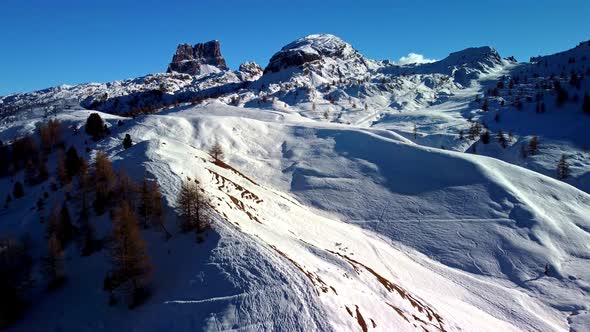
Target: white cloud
x=413 y=58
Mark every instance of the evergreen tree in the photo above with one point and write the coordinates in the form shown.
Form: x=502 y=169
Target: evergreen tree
x=131 y=263
x=563 y=169
x=95 y=126
x=485 y=107
x=72 y=162
x=485 y=137
x=18 y=191
x=127 y=142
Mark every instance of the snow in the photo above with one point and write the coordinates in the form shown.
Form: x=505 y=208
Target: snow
x=340 y=222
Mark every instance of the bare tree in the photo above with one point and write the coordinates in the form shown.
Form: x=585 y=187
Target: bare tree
x=216 y=151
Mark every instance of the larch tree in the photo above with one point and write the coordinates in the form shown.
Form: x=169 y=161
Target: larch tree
x=62 y=172
x=53 y=263
x=104 y=182
x=534 y=145
x=130 y=261
x=216 y=151
x=194 y=207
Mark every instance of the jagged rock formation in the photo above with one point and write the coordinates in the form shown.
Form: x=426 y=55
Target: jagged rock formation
x=249 y=71
x=199 y=59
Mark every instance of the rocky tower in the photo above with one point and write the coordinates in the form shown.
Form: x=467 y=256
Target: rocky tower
x=198 y=59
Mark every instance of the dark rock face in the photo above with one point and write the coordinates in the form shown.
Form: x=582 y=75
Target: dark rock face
x=188 y=59
x=291 y=58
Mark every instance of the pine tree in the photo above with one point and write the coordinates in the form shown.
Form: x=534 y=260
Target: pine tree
x=18 y=191
x=563 y=169
x=415 y=131
x=127 y=142
x=72 y=162
x=131 y=263
x=53 y=263
x=216 y=151
x=485 y=107
x=95 y=126
x=485 y=137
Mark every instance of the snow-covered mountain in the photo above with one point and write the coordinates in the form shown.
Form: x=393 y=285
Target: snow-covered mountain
x=354 y=194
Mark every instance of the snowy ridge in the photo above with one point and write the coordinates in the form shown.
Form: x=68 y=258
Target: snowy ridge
x=346 y=200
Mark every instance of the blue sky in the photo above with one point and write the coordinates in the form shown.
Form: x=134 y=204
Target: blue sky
x=46 y=43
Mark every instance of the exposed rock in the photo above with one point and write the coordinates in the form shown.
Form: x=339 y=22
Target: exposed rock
x=309 y=49
x=249 y=71
x=199 y=59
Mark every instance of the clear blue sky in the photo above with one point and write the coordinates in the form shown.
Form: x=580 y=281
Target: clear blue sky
x=51 y=42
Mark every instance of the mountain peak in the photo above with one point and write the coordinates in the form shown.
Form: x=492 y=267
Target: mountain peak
x=308 y=49
x=198 y=59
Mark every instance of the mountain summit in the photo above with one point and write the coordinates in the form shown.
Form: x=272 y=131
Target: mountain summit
x=202 y=58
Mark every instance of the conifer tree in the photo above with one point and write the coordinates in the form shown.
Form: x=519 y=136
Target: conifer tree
x=18 y=191
x=95 y=126
x=72 y=162
x=127 y=142
x=131 y=263
x=563 y=169
x=485 y=137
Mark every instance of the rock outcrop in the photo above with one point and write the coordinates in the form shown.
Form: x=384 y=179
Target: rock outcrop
x=199 y=59
x=249 y=71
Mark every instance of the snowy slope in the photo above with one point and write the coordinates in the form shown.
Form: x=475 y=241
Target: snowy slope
x=333 y=212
